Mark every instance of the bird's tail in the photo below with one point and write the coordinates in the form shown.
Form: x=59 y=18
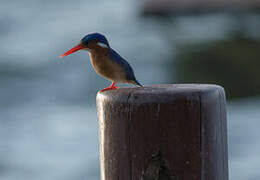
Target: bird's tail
x=135 y=82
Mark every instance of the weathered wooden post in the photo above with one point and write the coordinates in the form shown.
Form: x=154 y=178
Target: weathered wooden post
x=163 y=132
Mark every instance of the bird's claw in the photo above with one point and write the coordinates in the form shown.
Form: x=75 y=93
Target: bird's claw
x=109 y=88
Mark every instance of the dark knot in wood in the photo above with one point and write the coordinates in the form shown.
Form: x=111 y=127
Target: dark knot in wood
x=156 y=169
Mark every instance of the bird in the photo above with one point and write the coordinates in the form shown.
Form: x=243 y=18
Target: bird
x=105 y=61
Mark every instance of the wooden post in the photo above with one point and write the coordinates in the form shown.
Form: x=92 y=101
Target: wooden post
x=163 y=132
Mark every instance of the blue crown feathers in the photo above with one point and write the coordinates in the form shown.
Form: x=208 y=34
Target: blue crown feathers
x=99 y=37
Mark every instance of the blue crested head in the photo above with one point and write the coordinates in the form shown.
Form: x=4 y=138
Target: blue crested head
x=95 y=37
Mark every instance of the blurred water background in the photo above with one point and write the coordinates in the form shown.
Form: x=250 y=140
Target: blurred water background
x=48 y=123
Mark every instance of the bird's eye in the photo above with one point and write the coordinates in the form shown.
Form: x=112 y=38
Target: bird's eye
x=86 y=43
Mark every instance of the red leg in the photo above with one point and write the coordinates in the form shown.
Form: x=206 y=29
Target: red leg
x=112 y=86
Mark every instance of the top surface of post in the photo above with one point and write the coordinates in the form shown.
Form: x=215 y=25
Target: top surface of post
x=161 y=92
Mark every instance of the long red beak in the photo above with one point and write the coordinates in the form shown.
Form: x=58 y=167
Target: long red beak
x=72 y=50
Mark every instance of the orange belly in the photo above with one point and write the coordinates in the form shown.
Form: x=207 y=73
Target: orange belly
x=108 y=69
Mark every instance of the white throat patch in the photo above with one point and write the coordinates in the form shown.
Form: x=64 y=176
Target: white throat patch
x=102 y=45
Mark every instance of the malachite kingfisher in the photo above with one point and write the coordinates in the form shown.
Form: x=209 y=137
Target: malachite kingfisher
x=105 y=61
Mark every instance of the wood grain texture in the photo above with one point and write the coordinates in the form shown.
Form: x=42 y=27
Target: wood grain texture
x=163 y=132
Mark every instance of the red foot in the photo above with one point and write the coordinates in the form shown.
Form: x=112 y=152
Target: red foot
x=112 y=86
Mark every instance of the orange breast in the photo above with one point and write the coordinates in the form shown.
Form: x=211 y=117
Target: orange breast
x=107 y=68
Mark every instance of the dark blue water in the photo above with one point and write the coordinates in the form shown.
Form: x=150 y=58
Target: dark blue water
x=48 y=126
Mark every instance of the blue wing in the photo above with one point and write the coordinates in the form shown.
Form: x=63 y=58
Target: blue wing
x=123 y=63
